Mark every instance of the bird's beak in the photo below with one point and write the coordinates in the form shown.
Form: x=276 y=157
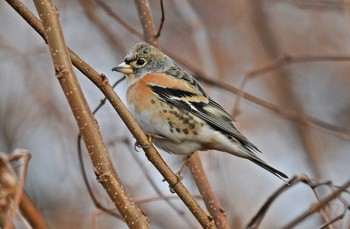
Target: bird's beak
x=123 y=68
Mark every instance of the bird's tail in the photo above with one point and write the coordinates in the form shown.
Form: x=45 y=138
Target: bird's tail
x=269 y=168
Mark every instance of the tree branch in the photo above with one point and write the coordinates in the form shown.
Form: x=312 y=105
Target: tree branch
x=87 y=124
x=209 y=197
x=316 y=207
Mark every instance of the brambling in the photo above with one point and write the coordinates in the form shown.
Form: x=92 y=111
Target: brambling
x=174 y=109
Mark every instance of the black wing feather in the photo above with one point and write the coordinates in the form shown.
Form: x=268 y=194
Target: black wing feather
x=211 y=112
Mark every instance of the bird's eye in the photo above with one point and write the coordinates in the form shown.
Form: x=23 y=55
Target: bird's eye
x=141 y=61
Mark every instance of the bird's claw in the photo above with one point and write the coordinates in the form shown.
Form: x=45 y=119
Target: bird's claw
x=179 y=179
x=146 y=146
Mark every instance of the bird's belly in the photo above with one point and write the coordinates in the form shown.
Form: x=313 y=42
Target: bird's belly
x=183 y=148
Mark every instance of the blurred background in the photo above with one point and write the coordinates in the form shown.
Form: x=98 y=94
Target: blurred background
x=226 y=40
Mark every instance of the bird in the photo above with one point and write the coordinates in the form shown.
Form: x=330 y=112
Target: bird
x=176 y=112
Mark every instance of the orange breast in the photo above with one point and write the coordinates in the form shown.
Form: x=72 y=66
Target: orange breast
x=141 y=96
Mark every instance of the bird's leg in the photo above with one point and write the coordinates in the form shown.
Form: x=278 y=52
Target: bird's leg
x=138 y=145
x=178 y=174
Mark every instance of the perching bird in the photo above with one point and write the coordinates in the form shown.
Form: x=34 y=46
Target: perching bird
x=173 y=108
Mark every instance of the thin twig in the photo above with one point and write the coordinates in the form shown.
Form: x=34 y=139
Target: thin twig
x=159 y=198
x=258 y=217
x=323 y=212
x=339 y=217
x=209 y=197
x=151 y=181
x=316 y=207
x=162 y=19
x=12 y=187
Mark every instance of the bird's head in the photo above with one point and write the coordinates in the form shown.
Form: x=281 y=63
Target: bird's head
x=143 y=59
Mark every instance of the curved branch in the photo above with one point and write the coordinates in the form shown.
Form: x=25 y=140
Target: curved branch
x=88 y=126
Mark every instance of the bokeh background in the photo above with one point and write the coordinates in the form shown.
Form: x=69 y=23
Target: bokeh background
x=226 y=40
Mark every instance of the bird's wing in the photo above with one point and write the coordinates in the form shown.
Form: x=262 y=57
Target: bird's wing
x=202 y=107
x=178 y=73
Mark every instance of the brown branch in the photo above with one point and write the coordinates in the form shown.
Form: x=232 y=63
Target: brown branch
x=210 y=200
x=97 y=204
x=159 y=198
x=12 y=193
x=9 y=186
x=149 y=33
x=323 y=209
x=162 y=19
x=32 y=213
x=89 y=129
x=337 y=218
x=25 y=156
x=153 y=184
x=258 y=217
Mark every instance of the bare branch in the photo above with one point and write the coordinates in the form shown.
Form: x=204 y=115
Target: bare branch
x=89 y=129
x=142 y=7
x=12 y=193
x=162 y=19
x=316 y=207
x=257 y=219
x=210 y=200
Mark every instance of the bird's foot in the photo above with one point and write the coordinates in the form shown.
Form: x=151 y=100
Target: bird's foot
x=146 y=146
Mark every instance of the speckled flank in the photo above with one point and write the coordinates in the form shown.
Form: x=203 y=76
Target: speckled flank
x=180 y=122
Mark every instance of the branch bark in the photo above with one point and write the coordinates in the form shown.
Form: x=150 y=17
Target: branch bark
x=209 y=198
x=88 y=126
x=149 y=33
